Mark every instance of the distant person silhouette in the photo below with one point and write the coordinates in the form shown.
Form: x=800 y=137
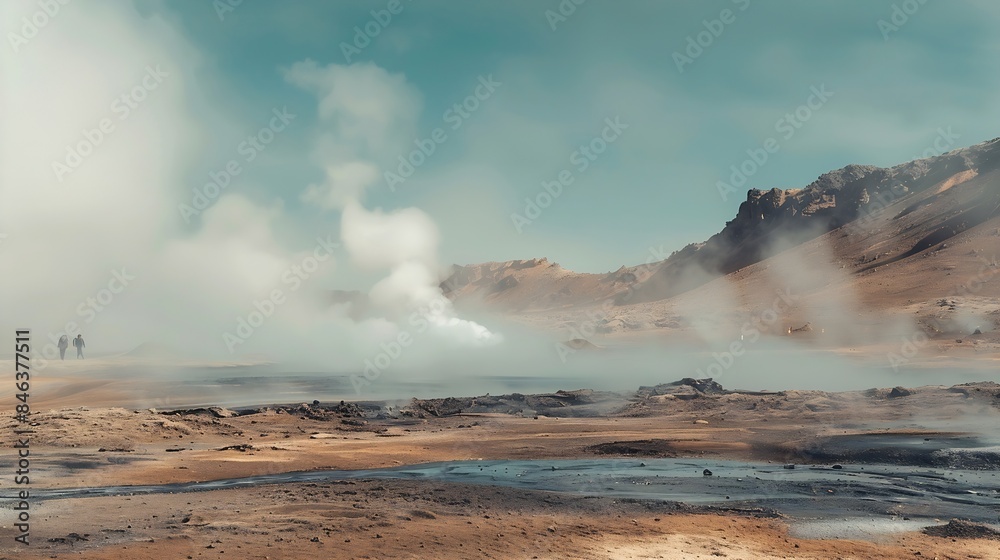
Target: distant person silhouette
x=63 y=345
x=78 y=342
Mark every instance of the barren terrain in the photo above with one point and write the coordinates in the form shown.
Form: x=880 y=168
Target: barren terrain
x=81 y=447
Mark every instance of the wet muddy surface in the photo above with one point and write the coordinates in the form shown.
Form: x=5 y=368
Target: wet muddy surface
x=937 y=450
x=807 y=493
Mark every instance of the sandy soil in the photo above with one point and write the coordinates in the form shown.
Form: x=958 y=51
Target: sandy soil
x=81 y=446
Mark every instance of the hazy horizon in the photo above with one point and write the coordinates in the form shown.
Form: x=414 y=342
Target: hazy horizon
x=208 y=186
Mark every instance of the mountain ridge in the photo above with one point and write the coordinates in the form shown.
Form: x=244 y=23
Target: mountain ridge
x=767 y=222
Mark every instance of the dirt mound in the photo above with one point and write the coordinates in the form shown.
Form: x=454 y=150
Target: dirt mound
x=898 y=392
x=579 y=403
x=212 y=411
x=639 y=448
x=321 y=411
x=685 y=388
x=961 y=529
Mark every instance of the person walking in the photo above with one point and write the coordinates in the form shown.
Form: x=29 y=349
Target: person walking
x=63 y=345
x=78 y=342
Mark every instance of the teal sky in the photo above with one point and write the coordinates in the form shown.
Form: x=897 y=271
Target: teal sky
x=656 y=184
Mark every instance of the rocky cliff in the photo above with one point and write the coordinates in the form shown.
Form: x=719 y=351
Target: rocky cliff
x=768 y=221
x=773 y=220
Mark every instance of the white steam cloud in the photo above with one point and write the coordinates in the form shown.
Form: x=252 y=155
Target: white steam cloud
x=99 y=144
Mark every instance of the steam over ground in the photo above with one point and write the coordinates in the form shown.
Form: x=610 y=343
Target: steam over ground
x=112 y=228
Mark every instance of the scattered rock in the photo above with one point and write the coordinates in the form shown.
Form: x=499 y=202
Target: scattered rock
x=706 y=472
x=582 y=402
x=213 y=411
x=687 y=388
x=242 y=447
x=898 y=392
x=71 y=538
